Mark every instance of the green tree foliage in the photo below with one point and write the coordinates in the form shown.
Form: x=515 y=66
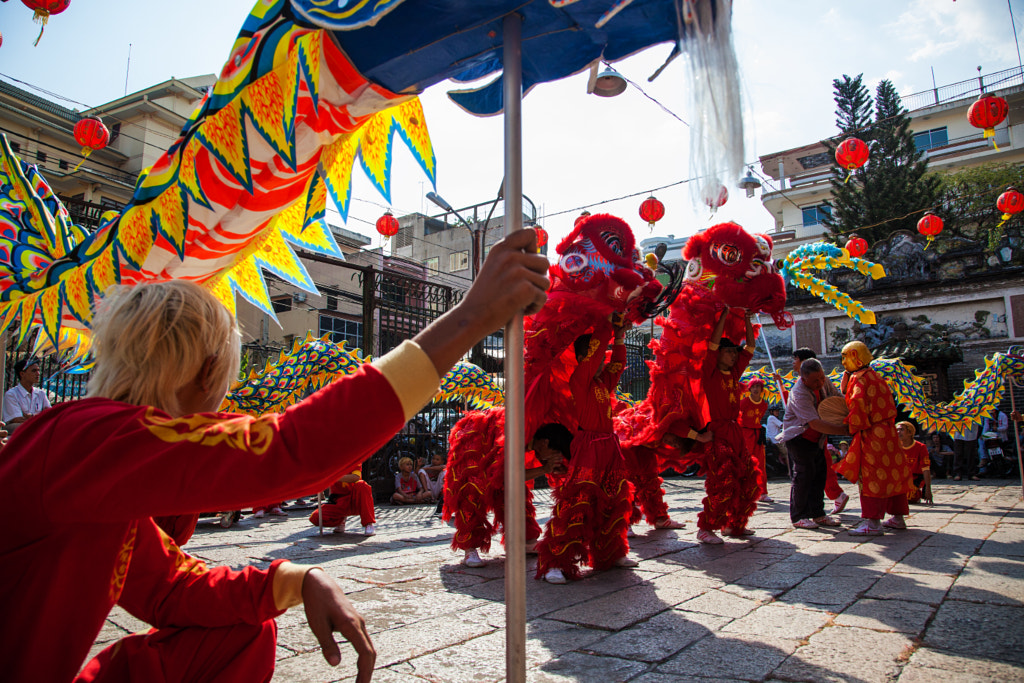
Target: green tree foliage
x=890 y=192
x=968 y=200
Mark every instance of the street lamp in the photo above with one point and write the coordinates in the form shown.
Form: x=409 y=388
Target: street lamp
x=474 y=232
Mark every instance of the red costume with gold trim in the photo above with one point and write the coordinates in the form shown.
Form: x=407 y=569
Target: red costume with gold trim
x=875 y=459
x=347 y=498
x=732 y=472
x=750 y=417
x=592 y=508
x=918 y=461
x=69 y=560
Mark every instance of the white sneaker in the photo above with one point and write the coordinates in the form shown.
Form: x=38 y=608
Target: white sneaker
x=472 y=558
x=766 y=499
x=709 y=537
x=259 y=514
x=340 y=529
x=866 y=528
x=626 y=561
x=840 y=503
x=555 y=576
x=278 y=512
x=805 y=523
x=226 y=519
x=369 y=530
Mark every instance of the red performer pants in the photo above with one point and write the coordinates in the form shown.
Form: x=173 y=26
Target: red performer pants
x=732 y=480
x=832 y=488
x=648 y=496
x=751 y=440
x=876 y=508
x=178 y=527
x=244 y=653
x=356 y=499
x=592 y=508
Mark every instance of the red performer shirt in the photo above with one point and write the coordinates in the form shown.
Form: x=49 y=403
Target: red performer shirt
x=723 y=389
x=592 y=387
x=86 y=476
x=752 y=413
x=917 y=457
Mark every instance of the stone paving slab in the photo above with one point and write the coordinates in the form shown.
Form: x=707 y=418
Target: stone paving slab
x=942 y=601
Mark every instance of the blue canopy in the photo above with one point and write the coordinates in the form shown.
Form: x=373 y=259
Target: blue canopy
x=409 y=45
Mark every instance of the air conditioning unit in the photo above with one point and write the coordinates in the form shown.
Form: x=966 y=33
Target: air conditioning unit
x=299 y=297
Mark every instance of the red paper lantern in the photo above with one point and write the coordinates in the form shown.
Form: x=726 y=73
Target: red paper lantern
x=930 y=226
x=42 y=9
x=852 y=153
x=987 y=112
x=91 y=134
x=716 y=198
x=1010 y=202
x=652 y=211
x=857 y=246
x=387 y=225
x=542 y=236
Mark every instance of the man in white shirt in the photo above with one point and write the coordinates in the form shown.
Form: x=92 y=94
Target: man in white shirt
x=23 y=400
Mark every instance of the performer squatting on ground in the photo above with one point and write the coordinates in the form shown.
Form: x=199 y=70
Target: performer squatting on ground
x=147 y=440
x=920 y=465
x=731 y=485
x=752 y=410
x=350 y=495
x=592 y=508
x=875 y=459
x=804 y=433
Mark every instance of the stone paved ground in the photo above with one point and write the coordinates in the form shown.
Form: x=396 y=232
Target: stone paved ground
x=943 y=601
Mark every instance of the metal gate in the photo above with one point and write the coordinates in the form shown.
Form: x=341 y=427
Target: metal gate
x=58 y=384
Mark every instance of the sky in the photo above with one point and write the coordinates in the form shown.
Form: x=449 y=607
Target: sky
x=578 y=149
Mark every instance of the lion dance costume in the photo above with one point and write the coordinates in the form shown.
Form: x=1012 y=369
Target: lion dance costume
x=726 y=267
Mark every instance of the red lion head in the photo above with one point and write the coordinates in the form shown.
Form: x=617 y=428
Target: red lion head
x=737 y=267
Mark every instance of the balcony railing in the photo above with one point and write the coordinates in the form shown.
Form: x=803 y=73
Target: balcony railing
x=969 y=89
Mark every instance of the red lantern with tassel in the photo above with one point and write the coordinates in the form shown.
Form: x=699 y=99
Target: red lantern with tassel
x=1010 y=202
x=652 y=211
x=987 y=112
x=851 y=154
x=857 y=246
x=91 y=134
x=42 y=10
x=542 y=236
x=387 y=225
x=930 y=226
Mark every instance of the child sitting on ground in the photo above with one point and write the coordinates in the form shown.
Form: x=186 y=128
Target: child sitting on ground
x=407 y=485
x=432 y=477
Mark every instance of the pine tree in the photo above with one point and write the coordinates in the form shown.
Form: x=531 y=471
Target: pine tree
x=853 y=119
x=891 y=190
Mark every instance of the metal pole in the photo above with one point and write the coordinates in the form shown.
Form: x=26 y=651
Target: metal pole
x=771 y=361
x=515 y=420
x=320 y=510
x=1016 y=435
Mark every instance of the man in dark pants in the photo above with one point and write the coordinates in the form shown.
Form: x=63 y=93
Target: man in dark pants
x=804 y=435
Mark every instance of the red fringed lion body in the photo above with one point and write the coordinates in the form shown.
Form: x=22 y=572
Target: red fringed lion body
x=598 y=274
x=726 y=267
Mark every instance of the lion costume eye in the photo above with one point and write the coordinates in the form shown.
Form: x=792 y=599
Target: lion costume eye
x=613 y=240
x=729 y=254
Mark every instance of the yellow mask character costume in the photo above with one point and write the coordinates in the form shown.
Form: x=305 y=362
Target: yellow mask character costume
x=855 y=356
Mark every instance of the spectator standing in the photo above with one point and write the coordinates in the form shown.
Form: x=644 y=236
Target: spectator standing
x=24 y=400
x=965 y=454
x=804 y=434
